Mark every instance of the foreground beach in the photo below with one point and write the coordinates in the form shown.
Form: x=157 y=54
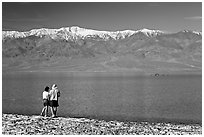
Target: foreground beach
x=14 y=124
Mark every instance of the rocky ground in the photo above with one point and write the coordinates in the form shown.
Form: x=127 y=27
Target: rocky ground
x=13 y=124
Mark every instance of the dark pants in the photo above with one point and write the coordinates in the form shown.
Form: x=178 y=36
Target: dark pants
x=54 y=104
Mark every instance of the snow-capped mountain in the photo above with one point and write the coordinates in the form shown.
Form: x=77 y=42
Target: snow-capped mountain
x=126 y=48
x=189 y=31
x=76 y=32
x=151 y=33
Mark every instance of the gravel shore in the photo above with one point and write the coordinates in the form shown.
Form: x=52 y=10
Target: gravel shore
x=14 y=124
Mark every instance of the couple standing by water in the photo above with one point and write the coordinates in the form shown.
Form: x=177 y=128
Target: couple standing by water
x=50 y=98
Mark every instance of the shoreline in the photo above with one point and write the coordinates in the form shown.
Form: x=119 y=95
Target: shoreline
x=15 y=124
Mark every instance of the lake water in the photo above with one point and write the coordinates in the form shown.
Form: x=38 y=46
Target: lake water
x=109 y=96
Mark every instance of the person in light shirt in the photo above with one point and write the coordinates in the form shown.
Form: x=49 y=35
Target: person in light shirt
x=54 y=95
x=45 y=101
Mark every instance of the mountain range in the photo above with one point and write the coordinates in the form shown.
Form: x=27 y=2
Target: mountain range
x=81 y=49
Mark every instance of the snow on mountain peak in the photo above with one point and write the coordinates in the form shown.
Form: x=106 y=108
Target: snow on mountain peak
x=151 y=33
x=196 y=32
x=75 y=32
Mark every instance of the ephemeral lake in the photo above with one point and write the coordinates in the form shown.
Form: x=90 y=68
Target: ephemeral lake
x=108 y=96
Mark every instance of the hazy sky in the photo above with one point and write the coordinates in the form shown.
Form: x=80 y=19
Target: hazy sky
x=103 y=16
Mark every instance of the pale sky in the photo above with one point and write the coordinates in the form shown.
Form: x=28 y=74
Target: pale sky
x=171 y=17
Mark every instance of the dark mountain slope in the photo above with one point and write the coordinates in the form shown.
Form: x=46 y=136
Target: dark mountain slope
x=183 y=48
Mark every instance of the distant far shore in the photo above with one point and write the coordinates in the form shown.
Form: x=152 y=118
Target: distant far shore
x=15 y=124
x=154 y=72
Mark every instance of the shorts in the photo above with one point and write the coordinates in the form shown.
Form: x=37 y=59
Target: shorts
x=45 y=102
x=53 y=103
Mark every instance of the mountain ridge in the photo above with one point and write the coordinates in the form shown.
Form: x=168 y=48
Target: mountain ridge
x=127 y=50
x=76 y=32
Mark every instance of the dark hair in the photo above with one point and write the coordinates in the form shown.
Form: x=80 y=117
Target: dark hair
x=47 y=88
